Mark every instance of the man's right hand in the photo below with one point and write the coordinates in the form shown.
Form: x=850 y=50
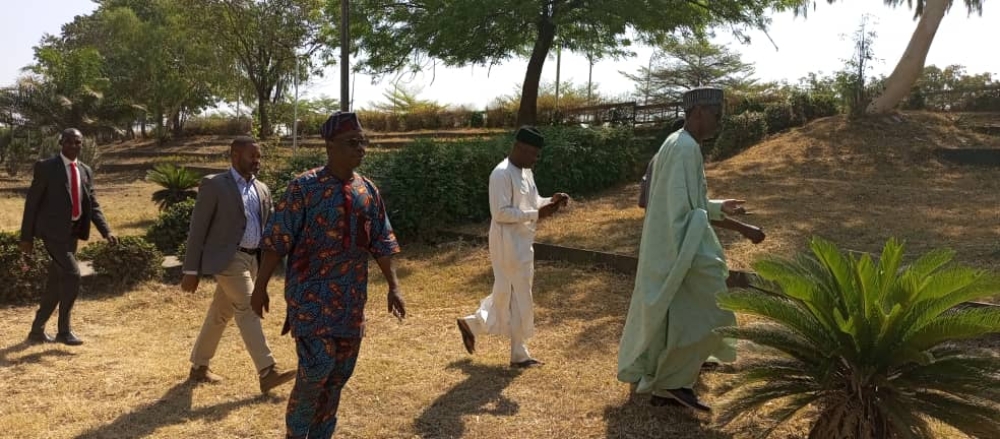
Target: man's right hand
x=548 y=210
x=189 y=283
x=259 y=301
x=27 y=247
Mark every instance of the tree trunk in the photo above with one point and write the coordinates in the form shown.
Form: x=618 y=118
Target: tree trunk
x=527 y=114
x=177 y=125
x=265 y=123
x=911 y=65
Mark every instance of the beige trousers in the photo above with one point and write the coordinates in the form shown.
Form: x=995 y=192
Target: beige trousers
x=232 y=298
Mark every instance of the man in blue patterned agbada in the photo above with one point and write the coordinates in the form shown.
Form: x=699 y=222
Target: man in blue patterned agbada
x=328 y=223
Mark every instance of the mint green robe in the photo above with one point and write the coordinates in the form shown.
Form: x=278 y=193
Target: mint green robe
x=668 y=332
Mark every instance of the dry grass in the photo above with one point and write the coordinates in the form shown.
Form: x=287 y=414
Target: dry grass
x=413 y=379
x=128 y=208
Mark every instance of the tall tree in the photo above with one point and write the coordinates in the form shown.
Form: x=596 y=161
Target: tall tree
x=154 y=60
x=414 y=33
x=911 y=64
x=264 y=37
x=680 y=64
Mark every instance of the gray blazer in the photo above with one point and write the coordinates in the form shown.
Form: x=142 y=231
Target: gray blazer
x=218 y=223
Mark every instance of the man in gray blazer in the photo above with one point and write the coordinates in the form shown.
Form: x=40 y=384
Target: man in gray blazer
x=61 y=205
x=224 y=241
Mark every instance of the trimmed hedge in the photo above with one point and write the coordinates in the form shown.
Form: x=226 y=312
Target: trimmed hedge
x=170 y=229
x=132 y=261
x=21 y=279
x=429 y=185
x=738 y=133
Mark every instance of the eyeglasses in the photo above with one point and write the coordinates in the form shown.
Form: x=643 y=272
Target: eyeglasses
x=357 y=142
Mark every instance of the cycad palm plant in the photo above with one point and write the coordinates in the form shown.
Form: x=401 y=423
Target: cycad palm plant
x=874 y=348
x=178 y=184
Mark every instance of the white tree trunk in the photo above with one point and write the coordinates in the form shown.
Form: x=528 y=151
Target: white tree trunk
x=911 y=65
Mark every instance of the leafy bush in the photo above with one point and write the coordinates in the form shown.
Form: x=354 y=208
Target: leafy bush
x=87 y=252
x=780 y=116
x=869 y=344
x=133 y=260
x=177 y=182
x=276 y=174
x=171 y=228
x=428 y=184
x=217 y=126
x=181 y=251
x=738 y=133
x=21 y=279
x=810 y=106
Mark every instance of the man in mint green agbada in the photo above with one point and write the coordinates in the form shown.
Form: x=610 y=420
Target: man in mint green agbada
x=669 y=334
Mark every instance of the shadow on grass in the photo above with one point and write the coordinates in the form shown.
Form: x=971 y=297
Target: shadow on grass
x=36 y=357
x=637 y=418
x=173 y=408
x=480 y=393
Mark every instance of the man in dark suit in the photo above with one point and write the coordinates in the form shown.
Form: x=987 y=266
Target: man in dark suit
x=61 y=205
x=224 y=241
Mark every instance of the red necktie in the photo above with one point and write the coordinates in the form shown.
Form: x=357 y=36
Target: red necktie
x=74 y=189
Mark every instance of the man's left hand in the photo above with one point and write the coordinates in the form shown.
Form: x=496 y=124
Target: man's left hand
x=112 y=239
x=754 y=234
x=733 y=207
x=396 y=305
x=560 y=197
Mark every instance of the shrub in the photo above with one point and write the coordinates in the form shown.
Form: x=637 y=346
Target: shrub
x=810 y=106
x=869 y=345
x=133 y=260
x=21 y=279
x=429 y=185
x=276 y=174
x=217 y=126
x=738 y=133
x=171 y=228
x=780 y=116
x=181 y=251
x=177 y=182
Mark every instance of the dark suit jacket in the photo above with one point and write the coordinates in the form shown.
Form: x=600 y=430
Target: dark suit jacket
x=218 y=222
x=48 y=209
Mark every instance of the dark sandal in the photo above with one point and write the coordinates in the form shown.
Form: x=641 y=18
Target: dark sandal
x=527 y=363
x=468 y=339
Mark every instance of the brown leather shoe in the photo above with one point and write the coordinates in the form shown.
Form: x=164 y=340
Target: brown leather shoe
x=201 y=374
x=274 y=378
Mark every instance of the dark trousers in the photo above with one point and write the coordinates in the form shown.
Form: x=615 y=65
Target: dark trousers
x=63 y=286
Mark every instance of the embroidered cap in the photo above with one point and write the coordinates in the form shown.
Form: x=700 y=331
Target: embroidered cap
x=703 y=96
x=531 y=136
x=340 y=122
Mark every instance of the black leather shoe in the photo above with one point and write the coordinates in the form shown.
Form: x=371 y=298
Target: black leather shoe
x=688 y=399
x=40 y=337
x=68 y=339
x=659 y=401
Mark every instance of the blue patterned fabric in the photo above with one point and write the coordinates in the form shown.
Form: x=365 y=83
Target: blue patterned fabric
x=328 y=228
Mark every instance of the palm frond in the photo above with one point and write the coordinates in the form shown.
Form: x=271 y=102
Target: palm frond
x=958 y=325
x=974 y=418
x=766 y=369
x=750 y=398
x=779 y=338
x=778 y=310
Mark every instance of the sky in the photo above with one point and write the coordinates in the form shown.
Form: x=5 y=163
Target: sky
x=817 y=44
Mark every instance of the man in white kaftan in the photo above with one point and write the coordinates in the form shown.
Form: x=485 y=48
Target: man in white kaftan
x=515 y=207
x=668 y=334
